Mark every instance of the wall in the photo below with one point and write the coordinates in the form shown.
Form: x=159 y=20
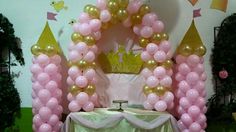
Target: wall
x=29 y=18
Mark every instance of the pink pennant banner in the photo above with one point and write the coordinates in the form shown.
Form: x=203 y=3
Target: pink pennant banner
x=51 y=16
x=197 y=13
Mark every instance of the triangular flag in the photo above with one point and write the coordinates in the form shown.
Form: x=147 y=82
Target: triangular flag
x=47 y=39
x=219 y=5
x=193 y=2
x=197 y=13
x=191 y=43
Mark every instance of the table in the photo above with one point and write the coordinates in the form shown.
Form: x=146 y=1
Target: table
x=130 y=120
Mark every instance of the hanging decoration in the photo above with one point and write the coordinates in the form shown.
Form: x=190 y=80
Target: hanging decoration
x=190 y=77
x=58 y=5
x=46 y=83
x=193 y=2
x=51 y=16
x=223 y=74
x=197 y=13
x=220 y=5
x=83 y=51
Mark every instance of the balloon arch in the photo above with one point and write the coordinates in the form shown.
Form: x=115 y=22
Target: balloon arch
x=157 y=67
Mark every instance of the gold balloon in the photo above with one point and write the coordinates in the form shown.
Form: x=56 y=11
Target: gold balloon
x=89 y=40
x=151 y=64
x=114 y=18
x=112 y=6
x=185 y=50
x=50 y=50
x=90 y=89
x=164 y=36
x=168 y=64
x=87 y=8
x=144 y=9
x=36 y=50
x=147 y=90
x=200 y=51
x=82 y=64
x=143 y=42
x=160 y=90
x=136 y=19
x=156 y=38
x=76 y=37
x=122 y=14
x=123 y=3
x=94 y=12
x=74 y=89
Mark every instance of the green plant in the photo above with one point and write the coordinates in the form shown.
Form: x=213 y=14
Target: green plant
x=9 y=97
x=222 y=103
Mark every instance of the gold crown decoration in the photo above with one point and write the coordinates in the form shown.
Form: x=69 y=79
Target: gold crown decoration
x=120 y=61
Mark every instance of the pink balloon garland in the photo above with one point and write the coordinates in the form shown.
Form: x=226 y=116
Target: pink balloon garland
x=191 y=93
x=46 y=94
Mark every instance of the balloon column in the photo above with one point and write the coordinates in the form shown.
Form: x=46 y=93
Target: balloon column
x=191 y=82
x=83 y=51
x=46 y=82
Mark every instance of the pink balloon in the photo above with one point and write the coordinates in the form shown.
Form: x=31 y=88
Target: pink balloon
x=101 y=4
x=37 y=120
x=94 y=48
x=84 y=17
x=57 y=77
x=165 y=46
x=194 y=127
x=145 y=56
x=89 y=57
x=51 y=69
x=45 y=113
x=94 y=98
x=134 y=6
x=168 y=97
x=146 y=32
x=74 y=56
x=203 y=77
x=58 y=110
x=179 y=77
x=37 y=104
x=184 y=86
x=180 y=110
x=37 y=86
x=192 y=95
x=45 y=128
x=159 y=72
x=85 y=29
x=74 y=71
x=152 y=98
x=88 y=106
x=184 y=103
x=181 y=125
x=82 y=98
x=76 y=27
x=127 y=22
x=193 y=60
x=201 y=119
x=43 y=59
x=52 y=103
x=152 y=81
x=56 y=59
x=70 y=97
x=186 y=119
x=70 y=81
x=36 y=69
x=158 y=26
x=192 y=78
x=94 y=81
x=97 y=35
x=53 y=120
x=200 y=102
x=180 y=59
x=136 y=29
x=147 y=105
x=44 y=95
x=57 y=93
x=169 y=72
x=81 y=81
x=71 y=46
x=81 y=48
x=33 y=94
x=160 y=56
x=105 y=16
x=74 y=106
x=152 y=48
x=184 y=69
x=148 y=19
x=160 y=106
x=166 y=81
x=95 y=24
x=194 y=111
x=200 y=86
x=58 y=126
x=146 y=73
x=199 y=69
x=90 y=74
